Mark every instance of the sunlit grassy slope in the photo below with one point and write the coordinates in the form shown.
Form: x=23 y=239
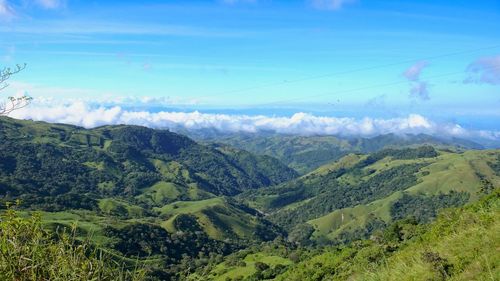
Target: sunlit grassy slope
x=119 y=183
x=244 y=269
x=309 y=198
x=462 y=244
x=306 y=153
x=448 y=172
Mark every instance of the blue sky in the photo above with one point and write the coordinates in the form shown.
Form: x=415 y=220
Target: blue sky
x=340 y=58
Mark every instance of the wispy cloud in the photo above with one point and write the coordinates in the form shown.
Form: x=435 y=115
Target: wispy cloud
x=8 y=53
x=331 y=5
x=50 y=4
x=377 y=102
x=418 y=89
x=91 y=115
x=52 y=27
x=414 y=71
x=6 y=11
x=484 y=71
x=47 y=96
x=232 y=2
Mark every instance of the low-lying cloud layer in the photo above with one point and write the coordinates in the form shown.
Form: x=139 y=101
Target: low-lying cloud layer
x=83 y=114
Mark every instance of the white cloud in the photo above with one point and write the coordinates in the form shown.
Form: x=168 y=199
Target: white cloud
x=332 y=5
x=6 y=11
x=89 y=115
x=47 y=96
x=484 y=70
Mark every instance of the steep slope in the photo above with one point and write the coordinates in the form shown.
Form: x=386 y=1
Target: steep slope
x=459 y=245
x=138 y=192
x=358 y=194
x=306 y=153
x=53 y=160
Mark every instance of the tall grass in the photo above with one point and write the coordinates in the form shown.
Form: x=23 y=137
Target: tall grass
x=28 y=252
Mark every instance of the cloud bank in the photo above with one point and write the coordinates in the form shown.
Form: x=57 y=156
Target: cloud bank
x=82 y=114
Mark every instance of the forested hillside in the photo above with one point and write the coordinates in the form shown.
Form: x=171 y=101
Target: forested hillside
x=351 y=198
x=460 y=245
x=306 y=153
x=171 y=207
x=142 y=193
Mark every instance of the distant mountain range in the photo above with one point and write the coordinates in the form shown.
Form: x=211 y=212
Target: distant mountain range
x=306 y=153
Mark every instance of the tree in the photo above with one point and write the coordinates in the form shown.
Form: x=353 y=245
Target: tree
x=12 y=103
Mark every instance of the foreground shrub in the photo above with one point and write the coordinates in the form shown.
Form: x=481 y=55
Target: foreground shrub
x=28 y=252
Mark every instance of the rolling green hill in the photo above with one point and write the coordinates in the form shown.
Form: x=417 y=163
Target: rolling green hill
x=306 y=153
x=215 y=212
x=137 y=191
x=352 y=197
x=461 y=244
x=125 y=159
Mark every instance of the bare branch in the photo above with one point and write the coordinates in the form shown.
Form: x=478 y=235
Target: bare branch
x=15 y=102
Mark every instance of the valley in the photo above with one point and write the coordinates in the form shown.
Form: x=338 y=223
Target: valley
x=188 y=211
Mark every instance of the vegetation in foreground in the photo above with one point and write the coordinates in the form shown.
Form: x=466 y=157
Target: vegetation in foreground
x=462 y=244
x=181 y=208
x=29 y=252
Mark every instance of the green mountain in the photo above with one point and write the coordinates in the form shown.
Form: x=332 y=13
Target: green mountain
x=354 y=196
x=306 y=153
x=137 y=191
x=211 y=211
x=52 y=160
x=461 y=244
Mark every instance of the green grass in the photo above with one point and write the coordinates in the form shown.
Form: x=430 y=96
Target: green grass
x=95 y=165
x=161 y=192
x=448 y=172
x=345 y=162
x=172 y=170
x=235 y=220
x=28 y=252
x=468 y=241
x=118 y=207
x=188 y=207
x=218 y=219
x=349 y=219
x=223 y=271
x=462 y=244
x=88 y=224
x=451 y=172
